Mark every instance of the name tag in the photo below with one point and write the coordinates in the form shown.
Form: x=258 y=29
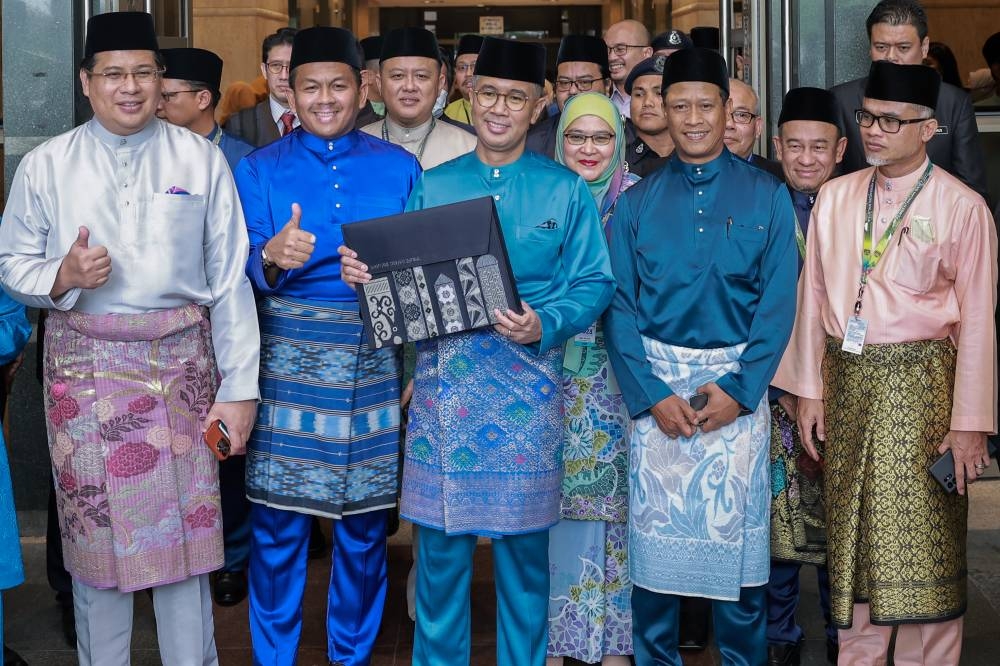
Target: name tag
x=587 y=338
x=854 y=336
x=941 y=129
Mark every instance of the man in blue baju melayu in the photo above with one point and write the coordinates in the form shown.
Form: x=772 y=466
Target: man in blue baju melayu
x=484 y=440
x=326 y=441
x=704 y=254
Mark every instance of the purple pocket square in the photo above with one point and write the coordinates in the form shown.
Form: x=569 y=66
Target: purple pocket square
x=177 y=190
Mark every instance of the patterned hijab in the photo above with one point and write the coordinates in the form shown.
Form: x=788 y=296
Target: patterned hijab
x=601 y=106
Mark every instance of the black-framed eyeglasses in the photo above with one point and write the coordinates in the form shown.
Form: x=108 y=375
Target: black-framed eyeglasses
x=276 y=67
x=487 y=99
x=169 y=96
x=583 y=85
x=743 y=117
x=888 y=124
x=579 y=138
x=142 y=76
x=622 y=49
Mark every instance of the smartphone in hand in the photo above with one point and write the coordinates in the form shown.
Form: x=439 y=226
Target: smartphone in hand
x=217 y=439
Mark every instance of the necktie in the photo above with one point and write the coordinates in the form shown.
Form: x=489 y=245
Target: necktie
x=287 y=122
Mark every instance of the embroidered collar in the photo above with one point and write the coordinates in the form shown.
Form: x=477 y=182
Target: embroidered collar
x=326 y=147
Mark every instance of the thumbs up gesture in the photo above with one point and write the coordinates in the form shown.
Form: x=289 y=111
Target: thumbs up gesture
x=291 y=247
x=83 y=266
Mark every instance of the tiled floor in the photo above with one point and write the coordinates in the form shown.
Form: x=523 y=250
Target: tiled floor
x=32 y=618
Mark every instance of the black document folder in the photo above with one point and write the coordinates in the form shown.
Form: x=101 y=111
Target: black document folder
x=435 y=271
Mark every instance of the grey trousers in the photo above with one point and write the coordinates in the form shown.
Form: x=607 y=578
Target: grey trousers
x=184 y=624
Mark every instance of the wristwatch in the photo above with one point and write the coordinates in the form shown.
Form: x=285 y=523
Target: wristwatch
x=267 y=261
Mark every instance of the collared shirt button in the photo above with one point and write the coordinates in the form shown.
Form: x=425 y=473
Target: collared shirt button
x=701 y=230
x=496 y=197
x=338 y=206
x=699 y=211
x=334 y=167
x=329 y=146
x=700 y=193
x=336 y=186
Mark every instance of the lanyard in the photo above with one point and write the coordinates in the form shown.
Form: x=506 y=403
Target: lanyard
x=870 y=258
x=800 y=239
x=423 y=144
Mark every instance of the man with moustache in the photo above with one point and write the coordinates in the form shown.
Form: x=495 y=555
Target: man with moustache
x=703 y=307
x=897 y=32
x=809 y=146
x=627 y=43
x=128 y=231
x=893 y=360
x=493 y=466
x=326 y=441
x=190 y=92
x=744 y=125
x=272 y=118
x=581 y=66
x=409 y=76
x=465 y=64
x=652 y=144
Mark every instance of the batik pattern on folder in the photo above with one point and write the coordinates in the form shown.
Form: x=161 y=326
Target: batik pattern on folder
x=327 y=435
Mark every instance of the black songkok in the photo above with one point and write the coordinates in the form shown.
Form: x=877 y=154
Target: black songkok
x=409 y=42
x=809 y=104
x=325 y=44
x=469 y=44
x=193 y=65
x=672 y=39
x=512 y=60
x=584 y=48
x=707 y=37
x=372 y=46
x=695 y=64
x=647 y=67
x=120 y=31
x=911 y=84
x=991 y=49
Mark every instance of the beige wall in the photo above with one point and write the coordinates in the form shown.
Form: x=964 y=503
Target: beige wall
x=963 y=25
x=234 y=29
x=690 y=13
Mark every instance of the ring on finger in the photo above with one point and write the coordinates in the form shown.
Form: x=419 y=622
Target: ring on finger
x=509 y=332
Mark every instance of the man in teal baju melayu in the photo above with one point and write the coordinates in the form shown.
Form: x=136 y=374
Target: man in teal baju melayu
x=484 y=441
x=704 y=254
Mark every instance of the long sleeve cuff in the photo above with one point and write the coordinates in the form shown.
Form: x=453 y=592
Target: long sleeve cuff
x=257 y=274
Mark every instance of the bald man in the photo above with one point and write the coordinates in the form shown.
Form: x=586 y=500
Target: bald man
x=744 y=125
x=628 y=44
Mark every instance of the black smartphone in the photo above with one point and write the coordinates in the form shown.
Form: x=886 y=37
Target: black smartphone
x=943 y=469
x=698 y=401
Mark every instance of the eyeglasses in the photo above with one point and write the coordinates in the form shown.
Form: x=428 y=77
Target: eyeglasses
x=888 y=124
x=622 y=49
x=276 y=67
x=466 y=67
x=579 y=138
x=487 y=99
x=142 y=76
x=169 y=96
x=583 y=85
x=743 y=117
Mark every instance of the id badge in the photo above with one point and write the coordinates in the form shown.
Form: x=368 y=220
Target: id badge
x=587 y=338
x=854 y=336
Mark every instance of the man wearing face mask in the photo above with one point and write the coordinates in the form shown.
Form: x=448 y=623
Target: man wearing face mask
x=897 y=32
x=809 y=146
x=308 y=457
x=581 y=66
x=409 y=76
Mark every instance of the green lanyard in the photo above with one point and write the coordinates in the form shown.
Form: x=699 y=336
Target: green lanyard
x=870 y=258
x=800 y=239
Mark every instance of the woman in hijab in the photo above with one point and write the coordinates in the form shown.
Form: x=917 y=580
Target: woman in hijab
x=590 y=617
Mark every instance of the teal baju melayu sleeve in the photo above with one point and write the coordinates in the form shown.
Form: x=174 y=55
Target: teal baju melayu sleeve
x=552 y=231
x=705 y=257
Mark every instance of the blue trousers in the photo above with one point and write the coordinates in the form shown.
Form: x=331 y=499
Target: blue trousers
x=277 y=577
x=444 y=575
x=783 y=601
x=740 y=628
x=235 y=513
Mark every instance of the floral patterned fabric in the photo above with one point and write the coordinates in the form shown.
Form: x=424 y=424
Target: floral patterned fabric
x=137 y=490
x=699 y=507
x=590 y=598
